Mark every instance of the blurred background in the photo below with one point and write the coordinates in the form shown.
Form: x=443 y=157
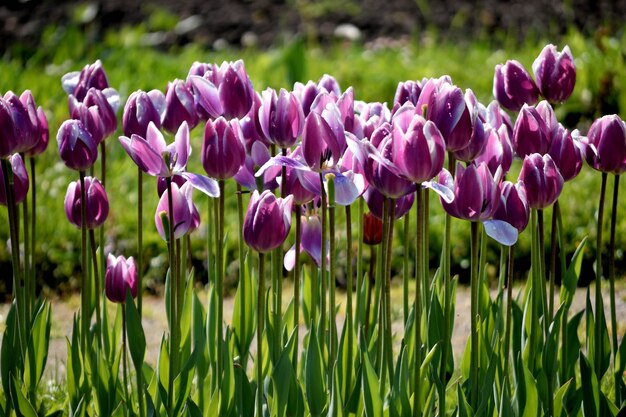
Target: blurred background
x=370 y=45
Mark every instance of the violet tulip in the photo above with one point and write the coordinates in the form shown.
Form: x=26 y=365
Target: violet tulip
x=605 y=146
x=307 y=95
x=311 y=243
x=407 y=91
x=267 y=221
x=374 y=200
x=107 y=106
x=513 y=87
x=320 y=145
x=478 y=139
x=475 y=192
x=120 y=276
x=497 y=117
x=372 y=229
x=182 y=205
x=78 y=83
x=90 y=118
x=234 y=88
x=24 y=122
x=452 y=112
x=530 y=134
x=566 y=153
x=222 y=151
x=77 y=147
x=139 y=111
x=542 y=180
x=179 y=107
x=330 y=84
x=44 y=135
x=20 y=178
x=498 y=151
x=97 y=209
x=513 y=207
x=281 y=117
x=555 y=73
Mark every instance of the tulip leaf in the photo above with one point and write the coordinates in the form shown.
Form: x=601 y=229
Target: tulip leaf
x=558 y=398
x=23 y=406
x=501 y=231
x=570 y=280
x=8 y=351
x=137 y=338
x=315 y=377
x=244 y=311
x=591 y=401
x=531 y=405
x=372 y=402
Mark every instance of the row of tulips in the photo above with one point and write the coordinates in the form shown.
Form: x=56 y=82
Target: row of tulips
x=304 y=154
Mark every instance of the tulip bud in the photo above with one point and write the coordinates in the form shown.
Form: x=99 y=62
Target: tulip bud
x=222 y=152
x=319 y=143
x=20 y=180
x=106 y=112
x=555 y=73
x=381 y=176
x=281 y=118
x=44 y=134
x=513 y=207
x=307 y=95
x=120 y=276
x=374 y=200
x=267 y=222
x=139 y=111
x=407 y=91
x=79 y=83
x=77 y=147
x=542 y=180
x=606 y=145
x=530 y=134
x=25 y=123
x=179 y=107
x=330 y=84
x=90 y=118
x=498 y=151
x=513 y=87
x=372 y=229
x=97 y=209
x=235 y=89
x=419 y=153
x=182 y=216
x=566 y=153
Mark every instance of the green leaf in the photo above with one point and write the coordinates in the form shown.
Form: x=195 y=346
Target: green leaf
x=9 y=350
x=531 y=406
x=314 y=376
x=591 y=402
x=558 y=398
x=283 y=379
x=21 y=403
x=244 y=324
x=570 y=280
x=465 y=410
x=38 y=347
x=227 y=384
x=192 y=409
x=136 y=337
x=372 y=402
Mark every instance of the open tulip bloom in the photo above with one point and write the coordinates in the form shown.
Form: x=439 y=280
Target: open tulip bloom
x=311 y=243
x=154 y=157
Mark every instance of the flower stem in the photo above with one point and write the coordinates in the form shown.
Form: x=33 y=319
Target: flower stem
x=139 y=240
x=219 y=287
x=174 y=323
x=599 y=305
x=474 y=283
x=553 y=239
x=242 y=284
x=259 y=336
x=382 y=322
x=277 y=291
x=509 y=308
x=417 y=301
x=97 y=277
x=349 y=289
x=612 y=284
x=370 y=286
x=29 y=290
x=33 y=220
x=85 y=287
x=359 y=266
x=125 y=357
x=388 y=339
x=296 y=287
x=542 y=272
x=92 y=243
x=323 y=273
x=332 y=320
x=405 y=270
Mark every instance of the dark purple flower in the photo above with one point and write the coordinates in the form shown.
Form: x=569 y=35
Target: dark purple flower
x=20 y=180
x=407 y=91
x=120 y=276
x=105 y=110
x=311 y=243
x=605 y=148
x=89 y=117
x=44 y=134
x=307 y=95
x=497 y=117
x=319 y=142
x=478 y=138
x=281 y=117
x=513 y=87
x=179 y=107
x=78 y=83
x=267 y=222
x=97 y=209
x=330 y=84
x=77 y=147
x=222 y=151
x=451 y=111
x=530 y=134
x=25 y=129
x=139 y=111
x=498 y=151
x=555 y=73
x=513 y=207
x=374 y=200
x=182 y=206
x=542 y=180
x=566 y=153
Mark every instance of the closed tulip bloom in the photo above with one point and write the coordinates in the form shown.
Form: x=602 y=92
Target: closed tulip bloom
x=530 y=134
x=267 y=222
x=293 y=186
x=498 y=151
x=222 y=152
x=372 y=229
x=44 y=134
x=319 y=142
x=330 y=84
x=513 y=87
x=182 y=206
x=478 y=139
x=25 y=123
x=306 y=94
x=419 y=152
x=374 y=200
x=106 y=109
x=513 y=207
x=555 y=73
x=78 y=83
x=20 y=179
x=281 y=117
x=382 y=176
x=566 y=153
x=120 y=276
x=139 y=111
x=448 y=110
x=77 y=147
x=542 y=180
x=407 y=91
x=546 y=112
x=606 y=145
x=179 y=107
x=8 y=137
x=475 y=192
x=97 y=209
x=235 y=89
x=90 y=118
x=497 y=117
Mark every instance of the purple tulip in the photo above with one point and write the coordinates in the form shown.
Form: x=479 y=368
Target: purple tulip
x=448 y=109
x=546 y=112
x=281 y=118
x=478 y=138
x=20 y=180
x=267 y=221
x=162 y=183
x=139 y=111
x=320 y=145
x=497 y=117
x=407 y=91
x=475 y=192
x=330 y=84
x=97 y=209
x=498 y=151
x=24 y=123
x=530 y=134
x=293 y=186
x=179 y=107
x=78 y=83
x=120 y=276
x=77 y=147
x=419 y=152
x=513 y=207
x=311 y=243
x=222 y=152
x=306 y=94
x=106 y=111
x=542 y=180
x=555 y=73
x=44 y=134
x=370 y=117
x=374 y=200
x=182 y=205
x=566 y=153
x=89 y=117
x=606 y=145
x=513 y=87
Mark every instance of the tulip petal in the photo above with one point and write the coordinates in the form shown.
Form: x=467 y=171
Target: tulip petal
x=206 y=95
x=201 y=183
x=501 y=231
x=444 y=192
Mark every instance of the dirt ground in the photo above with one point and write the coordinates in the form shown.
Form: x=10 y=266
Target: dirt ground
x=155 y=325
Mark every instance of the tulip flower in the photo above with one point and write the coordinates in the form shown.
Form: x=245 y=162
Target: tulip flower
x=478 y=139
x=542 y=180
x=454 y=114
x=120 y=276
x=605 y=145
x=513 y=207
x=330 y=84
x=566 y=153
x=307 y=95
x=222 y=152
x=90 y=118
x=407 y=91
x=267 y=221
x=153 y=156
x=107 y=106
x=281 y=117
x=311 y=243
x=374 y=200
x=293 y=185
x=78 y=83
x=20 y=178
x=372 y=229
x=179 y=107
x=530 y=134
x=182 y=206
x=139 y=111
x=97 y=209
x=44 y=134
x=555 y=73
x=498 y=151
x=496 y=117
x=20 y=130
x=513 y=87
x=78 y=149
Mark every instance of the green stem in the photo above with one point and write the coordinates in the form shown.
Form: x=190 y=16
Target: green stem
x=370 y=286
x=553 y=240
x=332 y=320
x=219 y=287
x=599 y=305
x=417 y=301
x=535 y=290
x=388 y=340
x=242 y=284
x=174 y=324
x=103 y=177
x=349 y=289
x=277 y=291
x=86 y=287
x=612 y=284
x=542 y=272
x=259 y=336
x=296 y=287
x=33 y=219
x=323 y=273
x=474 y=283
x=405 y=269
x=29 y=293
x=382 y=299
x=97 y=291
x=564 y=344
x=139 y=241
x=509 y=309
x=125 y=360
x=359 y=266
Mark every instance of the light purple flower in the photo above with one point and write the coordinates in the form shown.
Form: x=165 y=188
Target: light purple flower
x=555 y=73
x=311 y=243
x=20 y=179
x=77 y=83
x=513 y=207
x=182 y=206
x=513 y=87
x=267 y=221
x=281 y=117
x=139 y=111
x=77 y=147
x=120 y=276
x=179 y=107
x=542 y=180
x=97 y=209
x=531 y=133
x=222 y=151
x=566 y=153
